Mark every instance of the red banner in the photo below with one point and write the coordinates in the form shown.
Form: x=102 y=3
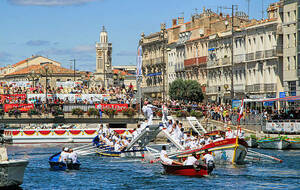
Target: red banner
x=47 y=132
x=12 y=96
x=118 y=107
x=75 y=132
x=21 y=107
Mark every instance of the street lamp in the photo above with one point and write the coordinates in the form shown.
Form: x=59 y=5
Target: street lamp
x=163 y=31
x=46 y=72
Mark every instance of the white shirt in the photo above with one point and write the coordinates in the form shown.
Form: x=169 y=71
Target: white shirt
x=164 y=158
x=117 y=146
x=229 y=135
x=63 y=156
x=73 y=156
x=135 y=134
x=190 y=161
x=144 y=109
x=208 y=157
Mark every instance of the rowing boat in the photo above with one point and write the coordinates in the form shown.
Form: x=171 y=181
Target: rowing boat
x=190 y=170
x=233 y=150
x=273 y=143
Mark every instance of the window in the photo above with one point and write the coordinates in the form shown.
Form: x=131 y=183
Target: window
x=57 y=80
x=68 y=79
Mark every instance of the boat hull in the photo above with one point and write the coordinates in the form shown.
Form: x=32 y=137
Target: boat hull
x=224 y=151
x=185 y=170
x=273 y=144
x=252 y=143
x=122 y=154
x=12 y=173
x=294 y=145
x=60 y=166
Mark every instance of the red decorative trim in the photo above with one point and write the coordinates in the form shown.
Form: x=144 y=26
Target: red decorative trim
x=45 y=132
x=29 y=132
x=90 y=132
x=119 y=131
x=131 y=131
x=15 y=133
x=217 y=144
x=60 y=132
x=75 y=132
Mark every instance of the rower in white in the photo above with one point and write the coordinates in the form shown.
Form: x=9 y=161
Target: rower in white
x=64 y=155
x=164 y=157
x=191 y=160
x=73 y=156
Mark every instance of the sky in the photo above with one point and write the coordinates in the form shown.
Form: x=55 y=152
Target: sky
x=68 y=29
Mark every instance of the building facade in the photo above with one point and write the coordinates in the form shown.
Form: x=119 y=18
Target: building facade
x=291 y=50
x=154 y=64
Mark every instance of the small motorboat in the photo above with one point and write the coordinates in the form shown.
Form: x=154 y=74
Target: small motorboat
x=61 y=166
x=191 y=170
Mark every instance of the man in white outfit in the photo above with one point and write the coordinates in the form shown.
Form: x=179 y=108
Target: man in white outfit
x=64 y=155
x=191 y=160
x=73 y=156
x=164 y=157
x=150 y=113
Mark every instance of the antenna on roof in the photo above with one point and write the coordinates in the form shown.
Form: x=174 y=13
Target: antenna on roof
x=248 y=1
x=262 y=9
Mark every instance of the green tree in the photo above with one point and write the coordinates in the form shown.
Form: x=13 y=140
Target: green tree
x=186 y=90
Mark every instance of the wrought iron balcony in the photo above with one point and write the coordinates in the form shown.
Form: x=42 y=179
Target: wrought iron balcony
x=259 y=55
x=249 y=56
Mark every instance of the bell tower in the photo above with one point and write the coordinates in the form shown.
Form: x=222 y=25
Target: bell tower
x=103 y=58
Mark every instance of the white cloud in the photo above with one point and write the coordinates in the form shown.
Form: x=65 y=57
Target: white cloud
x=50 y=2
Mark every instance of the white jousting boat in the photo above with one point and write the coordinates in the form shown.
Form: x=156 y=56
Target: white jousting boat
x=273 y=143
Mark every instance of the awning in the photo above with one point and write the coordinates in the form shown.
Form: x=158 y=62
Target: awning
x=273 y=99
x=153 y=74
x=211 y=49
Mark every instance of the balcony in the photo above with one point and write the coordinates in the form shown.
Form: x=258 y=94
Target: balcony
x=226 y=61
x=239 y=58
x=270 y=87
x=257 y=88
x=195 y=61
x=152 y=89
x=213 y=63
x=259 y=55
x=158 y=60
x=275 y=52
x=239 y=88
x=249 y=56
x=211 y=89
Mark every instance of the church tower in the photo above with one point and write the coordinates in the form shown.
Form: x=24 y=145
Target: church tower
x=103 y=59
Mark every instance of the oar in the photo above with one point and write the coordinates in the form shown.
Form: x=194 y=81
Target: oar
x=264 y=155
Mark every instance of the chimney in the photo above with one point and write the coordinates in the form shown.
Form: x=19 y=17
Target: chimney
x=174 y=22
x=180 y=20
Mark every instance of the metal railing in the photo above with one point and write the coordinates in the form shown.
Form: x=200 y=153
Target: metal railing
x=249 y=56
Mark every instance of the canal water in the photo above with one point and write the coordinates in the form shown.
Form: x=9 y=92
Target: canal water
x=107 y=173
